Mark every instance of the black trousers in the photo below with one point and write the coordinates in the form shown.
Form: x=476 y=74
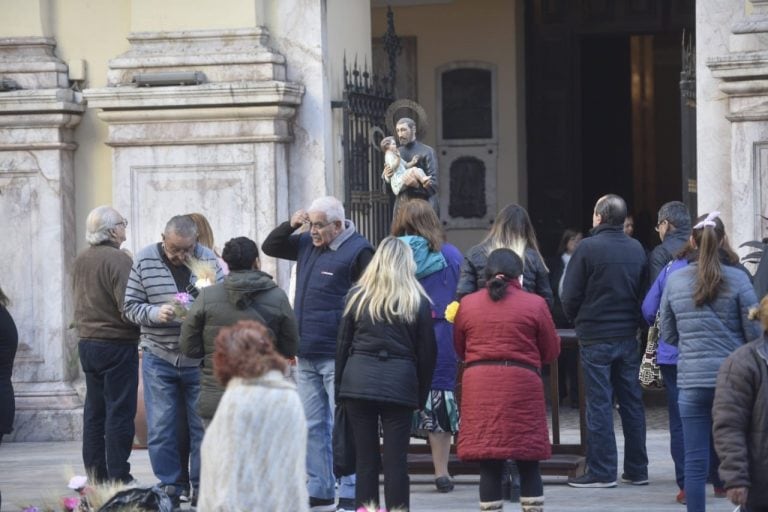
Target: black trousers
x=396 y=423
x=490 y=479
x=111 y=381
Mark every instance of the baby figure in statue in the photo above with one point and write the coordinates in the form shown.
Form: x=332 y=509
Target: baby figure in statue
x=392 y=158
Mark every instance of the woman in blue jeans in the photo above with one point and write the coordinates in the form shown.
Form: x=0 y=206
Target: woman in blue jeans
x=666 y=357
x=704 y=312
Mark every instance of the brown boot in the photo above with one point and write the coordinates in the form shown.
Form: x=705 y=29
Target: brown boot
x=532 y=504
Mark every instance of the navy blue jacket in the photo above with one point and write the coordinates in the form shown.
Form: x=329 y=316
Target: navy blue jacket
x=324 y=275
x=604 y=285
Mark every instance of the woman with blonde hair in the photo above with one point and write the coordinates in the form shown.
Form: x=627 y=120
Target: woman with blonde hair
x=512 y=230
x=385 y=359
x=704 y=312
x=205 y=237
x=253 y=454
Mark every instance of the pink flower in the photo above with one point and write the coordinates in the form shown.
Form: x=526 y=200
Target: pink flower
x=183 y=298
x=70 y=504
x=77 y=482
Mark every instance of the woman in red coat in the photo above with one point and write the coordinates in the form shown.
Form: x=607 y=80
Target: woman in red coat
x=504 y=335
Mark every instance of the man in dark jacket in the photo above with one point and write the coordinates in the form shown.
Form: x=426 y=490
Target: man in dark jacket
x=602 y=291
x=330 y=257
x=108 y=347
x=674 y=228
x=739 y=418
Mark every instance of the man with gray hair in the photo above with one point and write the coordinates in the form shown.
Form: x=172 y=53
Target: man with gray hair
x=674 y=228
x=424 y=157
x=330 y=259
x=107 y=347
x=601 y=294
x=159 y=275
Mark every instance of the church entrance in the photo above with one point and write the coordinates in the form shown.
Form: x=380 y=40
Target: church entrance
x=603 y=110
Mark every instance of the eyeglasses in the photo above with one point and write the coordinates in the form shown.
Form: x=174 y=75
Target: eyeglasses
x=123 y=223
x=317 y=225
x=178 y=250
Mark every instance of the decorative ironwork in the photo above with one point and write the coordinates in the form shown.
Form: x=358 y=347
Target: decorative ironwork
x=367 y=198
x=392 y=46
x=688 y=121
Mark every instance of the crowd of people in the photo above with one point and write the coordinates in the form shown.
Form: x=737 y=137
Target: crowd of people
x=237 y=375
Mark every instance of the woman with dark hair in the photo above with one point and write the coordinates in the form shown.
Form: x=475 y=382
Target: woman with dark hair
x=246 y=293
x=437 y=269
x=385 y=358
x=505 y=335
x=704 y=312
x=567 y=367
x=9 y=342
x=512 y=230
x=253 y=452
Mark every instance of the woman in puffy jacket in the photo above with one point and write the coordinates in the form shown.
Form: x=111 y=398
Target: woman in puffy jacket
x=704 y=312
x=385 y=358
x=740 y=421
x=512 y=230
x=505 y=335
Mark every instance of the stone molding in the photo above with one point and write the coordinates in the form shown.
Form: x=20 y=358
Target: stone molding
x=223 y=55
x=37 y=184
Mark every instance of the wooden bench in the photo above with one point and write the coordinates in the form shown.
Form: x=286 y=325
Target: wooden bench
x=567 y=459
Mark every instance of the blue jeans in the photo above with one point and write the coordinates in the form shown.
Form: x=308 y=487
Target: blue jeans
x=700 y=459
x=610 y=369
x=166 y=388
x=676 y=446
x=111 y=381
x=314 y=378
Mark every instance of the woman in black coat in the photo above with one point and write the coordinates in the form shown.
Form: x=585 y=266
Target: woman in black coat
x=385 y=358
x=9 y=342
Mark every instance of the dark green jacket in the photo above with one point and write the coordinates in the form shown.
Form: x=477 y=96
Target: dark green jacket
x=244 y=295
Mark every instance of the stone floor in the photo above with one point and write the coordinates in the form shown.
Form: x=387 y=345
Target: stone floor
x=37 y=473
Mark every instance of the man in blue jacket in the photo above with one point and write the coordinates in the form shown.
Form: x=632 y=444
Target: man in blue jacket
x=330 y=258
x=601 y=294
x=674 y=228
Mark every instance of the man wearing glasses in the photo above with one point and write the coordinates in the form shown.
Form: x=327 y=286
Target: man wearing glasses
x=674 y=228
x=107 y=347
x=330 y=257
x=171 y=380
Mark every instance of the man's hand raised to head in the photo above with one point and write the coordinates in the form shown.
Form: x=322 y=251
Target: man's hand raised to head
x=299 y=218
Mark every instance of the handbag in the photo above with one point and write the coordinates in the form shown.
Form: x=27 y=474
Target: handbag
x=650 y=371
x=343 y=443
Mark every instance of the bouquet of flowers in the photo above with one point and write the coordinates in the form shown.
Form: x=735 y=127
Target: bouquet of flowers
x=204 y=271
x=181 y=304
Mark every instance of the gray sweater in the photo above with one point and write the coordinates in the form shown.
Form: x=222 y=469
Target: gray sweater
x=708 y=334
x=151 y=285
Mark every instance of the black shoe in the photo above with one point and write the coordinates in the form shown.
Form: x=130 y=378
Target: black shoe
x=634 y=480
x=587 y=480
x=322 y=504
x=444 y=484
x=174 y=494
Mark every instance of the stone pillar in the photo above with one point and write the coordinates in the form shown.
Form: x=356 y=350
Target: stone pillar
x=218 y=147
x=37 y=250
x=741 y=73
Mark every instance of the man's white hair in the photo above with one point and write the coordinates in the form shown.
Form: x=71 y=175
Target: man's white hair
x=99 y=224
x=330 y=206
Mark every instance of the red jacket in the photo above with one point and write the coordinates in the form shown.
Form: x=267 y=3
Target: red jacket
x=503 y=412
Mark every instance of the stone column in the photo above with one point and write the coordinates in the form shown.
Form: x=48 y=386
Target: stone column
x=37 y=250
x=741 y=73
x=218 y=147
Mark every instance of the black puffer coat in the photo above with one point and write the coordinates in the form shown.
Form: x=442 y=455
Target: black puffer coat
x=740 y=421
x=386 y=362
x=535 y=274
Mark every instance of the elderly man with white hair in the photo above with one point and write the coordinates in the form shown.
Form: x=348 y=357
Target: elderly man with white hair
x=330 y=258
x=108 y=347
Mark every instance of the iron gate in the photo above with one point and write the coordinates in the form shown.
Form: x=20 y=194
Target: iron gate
x=367 y=200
